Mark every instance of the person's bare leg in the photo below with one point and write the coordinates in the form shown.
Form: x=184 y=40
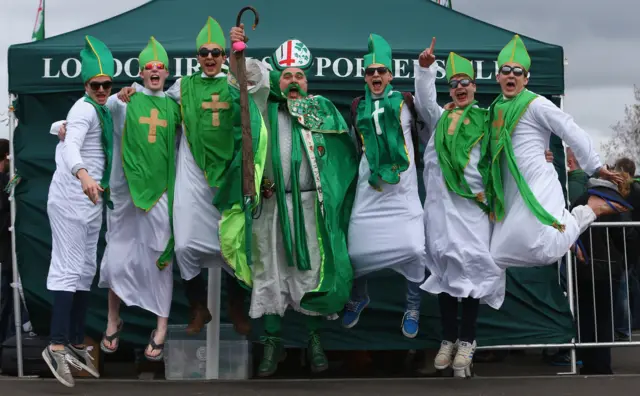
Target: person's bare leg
x=113 y=319
x=159 y=336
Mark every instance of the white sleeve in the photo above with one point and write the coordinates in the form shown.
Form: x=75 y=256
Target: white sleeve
x=114 y=104
x=258 y=83
x=55 y=127
x=562 y=125
x=426 y=105
x=174 y=91
x=79 y=121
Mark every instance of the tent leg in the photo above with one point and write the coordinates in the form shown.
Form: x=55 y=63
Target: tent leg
x=213 y=328
x=17 y=309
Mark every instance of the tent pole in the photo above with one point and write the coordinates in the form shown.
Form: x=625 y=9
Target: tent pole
x=17 y=311
x=213 y=328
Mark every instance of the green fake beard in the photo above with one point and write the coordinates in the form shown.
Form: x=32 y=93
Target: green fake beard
x=296 y=87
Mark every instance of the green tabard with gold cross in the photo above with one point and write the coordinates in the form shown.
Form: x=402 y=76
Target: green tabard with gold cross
x=148 y=148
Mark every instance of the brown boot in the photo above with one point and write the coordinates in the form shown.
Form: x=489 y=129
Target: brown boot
x=200 y=316
x=235 y=310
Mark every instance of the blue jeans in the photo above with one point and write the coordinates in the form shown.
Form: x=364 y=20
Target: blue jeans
x=413 y=296
x=68 y=317
x=622 y=303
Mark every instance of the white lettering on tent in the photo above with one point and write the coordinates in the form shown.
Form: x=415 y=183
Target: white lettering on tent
x=132 y=72
x=479 y=69
x=442 y=73
x=399 y=65
x=359 y=67
x=178 y=68
x=323 y=63
x=47 y=69
x=336 y=67
x=65 y=68
x=118 y=70
x=192 y=66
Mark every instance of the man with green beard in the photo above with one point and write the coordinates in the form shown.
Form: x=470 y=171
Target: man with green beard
x=300 y=253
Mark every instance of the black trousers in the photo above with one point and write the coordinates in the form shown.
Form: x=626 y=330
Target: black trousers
x=449 y=317
x=196 y=289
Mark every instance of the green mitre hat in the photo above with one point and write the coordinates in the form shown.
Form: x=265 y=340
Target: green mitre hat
x=211 y=33
x=291 y=53
x=97 y=60
x=153 y=52
x=515 y=52
x=379 y=53
x=457 y=64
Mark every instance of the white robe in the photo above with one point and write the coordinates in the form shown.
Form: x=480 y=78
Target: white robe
x=520 y=239
x=386 y=229
x=135 y=239
x=75 y=220
x=457 y=231
x=195 y=219
x=276 y=285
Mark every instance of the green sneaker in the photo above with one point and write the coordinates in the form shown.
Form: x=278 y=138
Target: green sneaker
x=317 y=358
x=274 y=353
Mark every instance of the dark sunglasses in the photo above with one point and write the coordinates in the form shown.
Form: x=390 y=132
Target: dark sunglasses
x=454 y=83
x=150 y=65
x=95 y=85
x=216 y=52
x=372 y=70
x=506 y=70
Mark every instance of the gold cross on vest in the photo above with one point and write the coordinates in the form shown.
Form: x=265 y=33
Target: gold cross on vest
x=215 y=105
x=154 y=122
x=454 y=116
x=498 y=124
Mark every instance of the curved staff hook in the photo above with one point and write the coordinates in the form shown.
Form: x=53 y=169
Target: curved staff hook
x=240 y=46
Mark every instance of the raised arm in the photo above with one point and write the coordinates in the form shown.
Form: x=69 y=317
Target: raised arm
x=425 y=87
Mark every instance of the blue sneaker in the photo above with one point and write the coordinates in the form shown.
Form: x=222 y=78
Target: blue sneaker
x=410 y=322
x=352 y=312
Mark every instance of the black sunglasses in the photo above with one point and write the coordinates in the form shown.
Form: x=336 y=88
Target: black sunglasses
x=454 y=83
x=216 y=52
x=370 y=71
x=506 y=70
x=95 y=85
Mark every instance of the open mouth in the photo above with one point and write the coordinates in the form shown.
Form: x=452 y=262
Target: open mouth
x=377 y=84
x=210 y=63
x=155 y=79
x=461 y=96
x=511 y=84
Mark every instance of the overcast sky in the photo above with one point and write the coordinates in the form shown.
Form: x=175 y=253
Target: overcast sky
x=600 y=40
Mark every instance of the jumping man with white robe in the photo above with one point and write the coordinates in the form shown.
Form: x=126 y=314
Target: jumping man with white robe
x=74 y=206
x=525 y=190
x=137 y=264
x=386 y=229
x=301 y=260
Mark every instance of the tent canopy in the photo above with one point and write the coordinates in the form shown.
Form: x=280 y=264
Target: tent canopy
x=335 y=31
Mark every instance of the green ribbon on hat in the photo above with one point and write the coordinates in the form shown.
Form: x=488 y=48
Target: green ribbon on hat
x=515 y=52
x=457 y=64
x=211 y=33
x=97 y=59
x=153 y=52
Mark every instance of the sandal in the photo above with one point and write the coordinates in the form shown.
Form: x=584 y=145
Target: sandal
x=154 y=347
x=110 y=338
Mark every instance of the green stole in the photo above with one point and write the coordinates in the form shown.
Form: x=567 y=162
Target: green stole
x=457 y=132
x=504 y=115
x=211 y=118
x=312 y=114
x=106 y=123
x=148 y=155
x=386 y=152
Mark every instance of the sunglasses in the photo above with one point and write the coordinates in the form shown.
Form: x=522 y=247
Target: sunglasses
x=454 y=83
x=506 y=70
x=95 y=85
x=215 y=52
x=150 y=66
x=372 y=70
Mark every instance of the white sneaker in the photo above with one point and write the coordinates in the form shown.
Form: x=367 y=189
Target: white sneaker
x=445 y=355
x=464 y=359
x=82 y=357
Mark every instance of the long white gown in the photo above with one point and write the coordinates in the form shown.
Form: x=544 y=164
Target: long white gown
x=386 y=229
x=457 y=231
x=75 y=220
x=521 y=240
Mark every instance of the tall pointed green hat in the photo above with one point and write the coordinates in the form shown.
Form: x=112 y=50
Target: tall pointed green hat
x=291 y=53
x=154 y=51
x=515 y=52
x=457 y=64
x=379 y=52
x=97 y=60
x=211 y=33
